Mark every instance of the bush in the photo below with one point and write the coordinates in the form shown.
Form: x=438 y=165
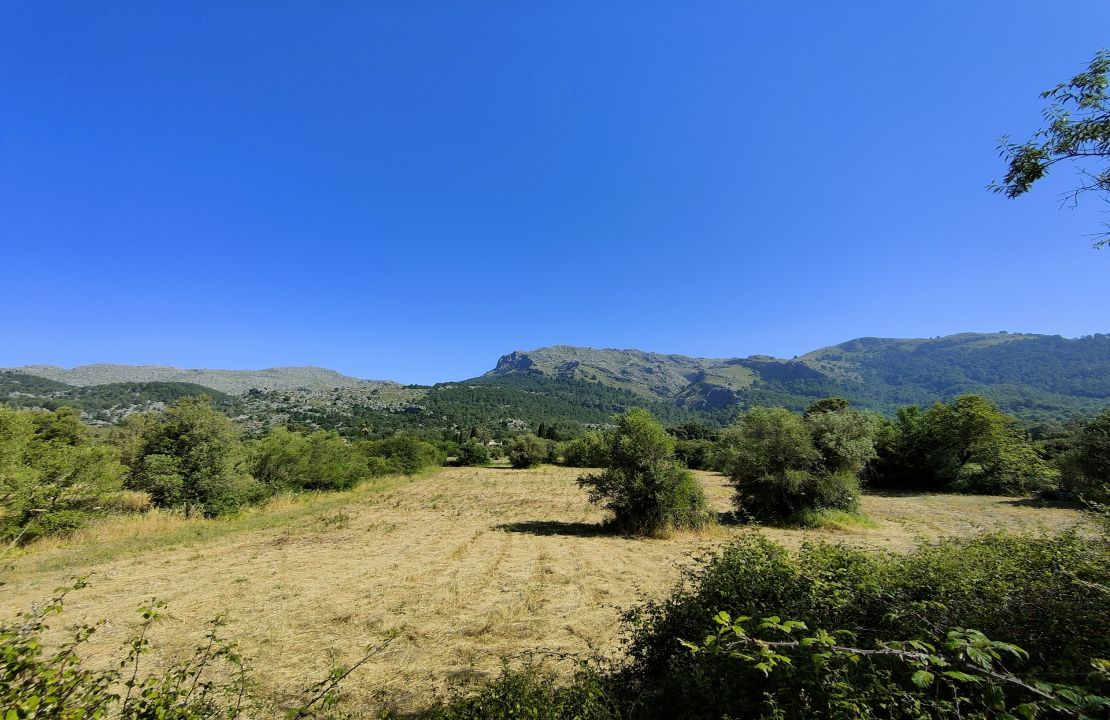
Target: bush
x=527 y=451
x=189 y=455
x=778 y=472
x=586 y=450
x=1086 y=467
x=285 y=460
x=967 y=445
x=530 y=692
x=405 y=454
x=1045 y=595
x=645 y=488
x=695 y=454
x=53 y=477
x=472 y=452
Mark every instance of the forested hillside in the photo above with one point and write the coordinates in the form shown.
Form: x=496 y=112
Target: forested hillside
x=1038 y=378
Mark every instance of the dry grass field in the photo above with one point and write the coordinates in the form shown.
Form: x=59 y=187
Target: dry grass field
x=467 y=565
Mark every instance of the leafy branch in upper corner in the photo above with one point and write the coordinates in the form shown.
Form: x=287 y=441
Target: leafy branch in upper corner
x=1077 y=127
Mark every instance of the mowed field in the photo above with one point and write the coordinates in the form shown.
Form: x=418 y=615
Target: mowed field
x=465 y=566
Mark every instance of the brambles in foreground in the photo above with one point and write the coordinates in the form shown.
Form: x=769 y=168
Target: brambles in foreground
x=1046 y=595
x=646 y=489
x=980 y=629
x=213 y=682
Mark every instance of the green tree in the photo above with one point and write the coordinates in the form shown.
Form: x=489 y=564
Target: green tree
x=1087 y=465
x=648 y=491
x=1077 y=129
x=966 y=445
x=189 y=455
x=52 y=476
x=526 y=451
x=285 y=460
x=473 y=452
x=779 y=472
x=586 y=450
x=403 y=453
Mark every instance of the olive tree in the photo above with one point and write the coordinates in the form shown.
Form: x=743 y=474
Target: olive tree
x=646 y=489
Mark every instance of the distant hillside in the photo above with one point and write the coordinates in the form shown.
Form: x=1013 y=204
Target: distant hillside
x=233 y=382
x=109 y=402
x=1034 y=376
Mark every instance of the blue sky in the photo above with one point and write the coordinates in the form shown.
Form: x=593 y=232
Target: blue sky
x=408 y=190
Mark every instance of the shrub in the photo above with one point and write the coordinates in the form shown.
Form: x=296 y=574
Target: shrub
x=778 y=472
x=586 y=450
x=531 y=692
x=52 y=476
x=527 y=451
x=285 y=460
x=695 y=454
x=472 y=452
x=1045 y=595
x=1087 y=465
x=644 y=487
x=967 y=445
x=405 y=454
x=189 y=455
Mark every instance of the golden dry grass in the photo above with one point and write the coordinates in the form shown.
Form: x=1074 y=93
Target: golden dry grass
x=467 y=565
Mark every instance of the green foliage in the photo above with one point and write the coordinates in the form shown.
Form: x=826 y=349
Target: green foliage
x=1086 y=465
x=527 y=451
x=189 y=455
x=645 y=488
x=695 y=454
x=1045 y=595
x=53 y=476
x=586 y=450
x=1077 y=129
x=285 y=460
x=782 y=464
x=404 y=454
x=967 y=445
x=473 y=452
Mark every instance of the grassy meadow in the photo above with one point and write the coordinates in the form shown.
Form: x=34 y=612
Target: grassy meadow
x=465 y=566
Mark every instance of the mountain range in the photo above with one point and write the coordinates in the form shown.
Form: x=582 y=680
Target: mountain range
x=1036 y=377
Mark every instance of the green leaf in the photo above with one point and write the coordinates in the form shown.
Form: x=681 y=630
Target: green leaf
x=922 y=678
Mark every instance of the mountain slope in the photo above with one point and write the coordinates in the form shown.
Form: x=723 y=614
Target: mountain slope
x=1036 y=376
x=233 y=382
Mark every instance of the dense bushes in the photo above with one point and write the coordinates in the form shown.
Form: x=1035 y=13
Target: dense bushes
x=56 y=472
x=783 y=465
x=53 y=475
x=997 y=626
x=1086 y=465
x=1046 y=595
x=645 y=488
x=404 y=454
x=285 y=460
x=967 y=445
x=189 y=455
x=586 y=450
x=472 y=452
x=526 y=451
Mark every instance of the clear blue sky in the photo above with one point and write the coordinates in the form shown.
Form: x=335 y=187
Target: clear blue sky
x=408 y=190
